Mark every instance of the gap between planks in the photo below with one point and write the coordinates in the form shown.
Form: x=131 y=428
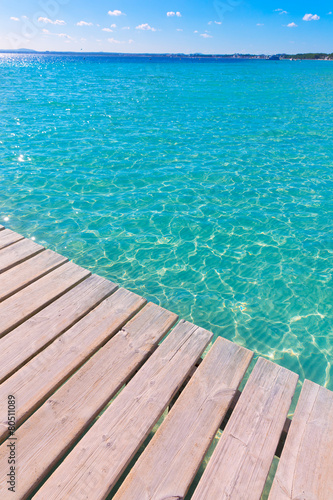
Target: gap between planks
x=27 y=272
x=8 y=237
x=18 y=252
x=30 y=300
x=231 y=408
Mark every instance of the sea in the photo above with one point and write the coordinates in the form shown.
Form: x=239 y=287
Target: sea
x=203 y=185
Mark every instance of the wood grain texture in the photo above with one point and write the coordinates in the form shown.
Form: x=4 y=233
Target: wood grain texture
x=171 y=460
x=97 y=461
x=41 y=376
x=50 y=431
x=28 y=339
x=305 y=470
x=8 y=237
x=242 y=458
x=30 y=300
x=18 y=252
x=284 y=430
x=29 y=271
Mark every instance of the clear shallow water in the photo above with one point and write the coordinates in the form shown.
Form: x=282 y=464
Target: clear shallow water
x=205 y=187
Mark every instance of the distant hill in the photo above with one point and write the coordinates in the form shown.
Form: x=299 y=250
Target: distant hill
x=26 y=50
x=19 y=51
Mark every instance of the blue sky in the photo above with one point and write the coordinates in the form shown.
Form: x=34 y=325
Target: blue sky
x=206 y=26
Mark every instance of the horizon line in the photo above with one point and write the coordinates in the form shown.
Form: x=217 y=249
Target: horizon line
x=190 y=54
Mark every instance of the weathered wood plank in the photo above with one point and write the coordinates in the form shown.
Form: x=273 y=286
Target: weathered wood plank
x=170 y=462
x=8 y=237
x=284 y=430
x=240 y=463
x=41 y=376
x=52 y=429
x=28 y=339
x=28 y=272
x=17 y=253
x=306 y=464
x=34 y=297
x=97 y=461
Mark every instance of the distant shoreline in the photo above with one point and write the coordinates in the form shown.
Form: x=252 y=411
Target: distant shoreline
x=274 y=57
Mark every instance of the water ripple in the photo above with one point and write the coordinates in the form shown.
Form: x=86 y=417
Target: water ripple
x=206 y=188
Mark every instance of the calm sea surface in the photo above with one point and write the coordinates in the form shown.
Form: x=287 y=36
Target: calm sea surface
x=205 y=187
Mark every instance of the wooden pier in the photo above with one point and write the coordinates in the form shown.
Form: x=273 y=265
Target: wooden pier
x=87 y=369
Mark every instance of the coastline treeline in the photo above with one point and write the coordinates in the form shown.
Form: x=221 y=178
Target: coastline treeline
x=317 y=56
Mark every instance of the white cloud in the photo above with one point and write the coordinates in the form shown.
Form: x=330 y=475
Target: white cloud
x=126 y=28
x=113 y=25
x=204 y=35
x=291 y=25
x=112 y=40
x=14 y=19
x=116 y=13
x=145 y=27
x=179 y=29
x=329 y=14
x=130 y=41
x=178 y=14
x=210 y=22
x=281 y=11
x=172 y=14
x=107 y=29
x=218 y=22
x=46 y=20
x=84 y=23
x=196 y=31
x=260 y=24
x=310 y=17
x=63 y=35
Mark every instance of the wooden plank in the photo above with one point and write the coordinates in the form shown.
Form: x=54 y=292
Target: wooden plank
x=306 y=464
x=17 y=253
x=27 y=272
x=242 y=458
x=8 y=237
x=170 y=462
x=284 y=430
x=28 y=339
x=50 y=431
x=41 y=376
x=97 y=461
x=30 y=300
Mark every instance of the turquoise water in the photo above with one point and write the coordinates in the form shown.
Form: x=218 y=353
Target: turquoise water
x=205 y=187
